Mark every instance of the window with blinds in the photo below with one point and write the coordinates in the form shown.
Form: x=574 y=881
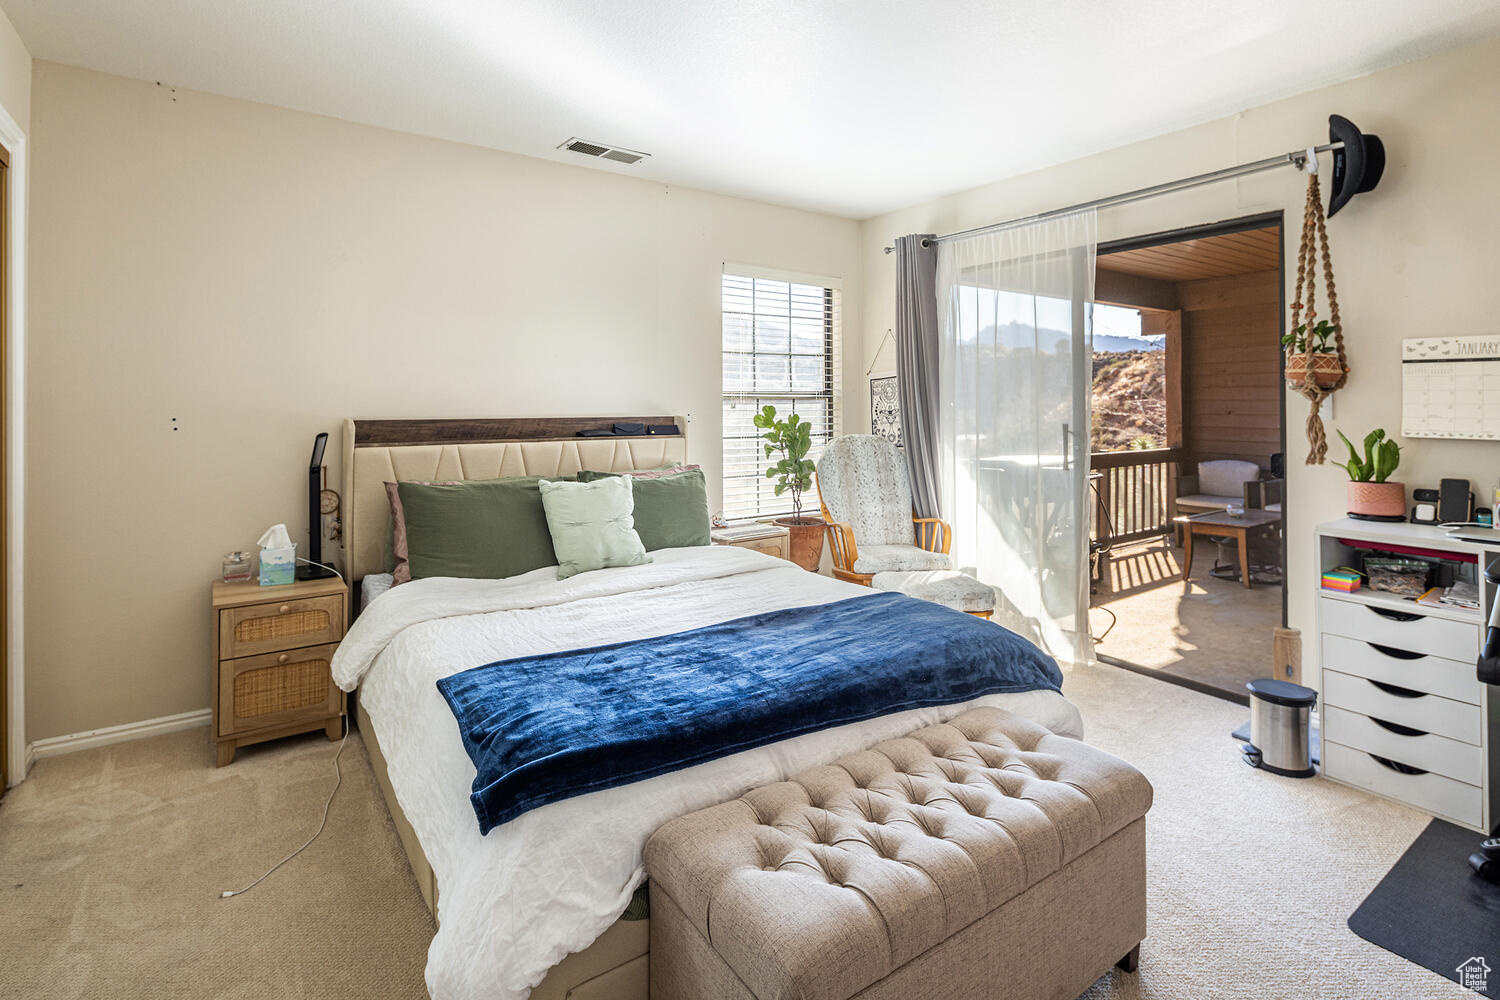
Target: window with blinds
x=781 y=347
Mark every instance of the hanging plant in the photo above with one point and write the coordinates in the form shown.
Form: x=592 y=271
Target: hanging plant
x=1314 y=368
x=1312 y=353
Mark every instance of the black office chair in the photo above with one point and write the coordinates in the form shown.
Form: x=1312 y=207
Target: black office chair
x=1486 y=861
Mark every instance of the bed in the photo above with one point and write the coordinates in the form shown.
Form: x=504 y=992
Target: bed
x=537 y=904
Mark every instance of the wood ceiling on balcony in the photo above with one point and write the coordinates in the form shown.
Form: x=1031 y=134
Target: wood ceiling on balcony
x=1213 y=257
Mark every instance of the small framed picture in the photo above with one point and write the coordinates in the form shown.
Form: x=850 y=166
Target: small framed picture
x=885 y=409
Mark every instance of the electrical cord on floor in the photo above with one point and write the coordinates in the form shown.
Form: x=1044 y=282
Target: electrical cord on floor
x=1114 y=620
x=338 y=779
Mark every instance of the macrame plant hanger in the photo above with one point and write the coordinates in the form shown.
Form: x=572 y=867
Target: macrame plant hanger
x=1312 y=374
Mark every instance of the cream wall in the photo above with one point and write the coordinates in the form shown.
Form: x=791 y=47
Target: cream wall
x=15 y=99
x=15 y=75
x=1418 y=257
x=214 y=281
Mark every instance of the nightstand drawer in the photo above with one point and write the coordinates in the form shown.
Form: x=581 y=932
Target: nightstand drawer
x=773 y=546
x=277 y=689
x=265 y=628
x=777 y=544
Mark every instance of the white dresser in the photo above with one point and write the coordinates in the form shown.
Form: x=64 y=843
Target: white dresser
x=1403 y=714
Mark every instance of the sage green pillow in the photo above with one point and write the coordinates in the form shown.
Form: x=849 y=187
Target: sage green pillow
x=480 y=529
x=592 y=525
x=670 y=511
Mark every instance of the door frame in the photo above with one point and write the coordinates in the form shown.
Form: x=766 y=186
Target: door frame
x=13 y=138
x=1224 y=227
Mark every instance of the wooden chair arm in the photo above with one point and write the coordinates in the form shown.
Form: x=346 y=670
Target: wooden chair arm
x=931 y=530
x=841 y=545
x=1261 y=492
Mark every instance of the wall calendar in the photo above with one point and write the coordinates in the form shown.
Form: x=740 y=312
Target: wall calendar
x=1450 y=387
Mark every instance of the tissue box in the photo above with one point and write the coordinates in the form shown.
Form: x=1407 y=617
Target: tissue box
x=278 y=566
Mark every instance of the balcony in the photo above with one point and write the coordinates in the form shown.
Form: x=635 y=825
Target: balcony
x=1210 y=632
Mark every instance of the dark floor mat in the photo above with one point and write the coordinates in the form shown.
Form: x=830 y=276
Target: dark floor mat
x=1314 y=740
x=1433 y=910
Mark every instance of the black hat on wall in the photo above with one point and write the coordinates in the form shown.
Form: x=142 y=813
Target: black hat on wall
x=1358 y=166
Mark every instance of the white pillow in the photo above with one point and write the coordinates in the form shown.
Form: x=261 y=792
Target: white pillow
x=592 y=524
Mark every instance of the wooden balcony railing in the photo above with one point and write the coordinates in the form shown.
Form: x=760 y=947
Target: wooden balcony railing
x=1135 y=493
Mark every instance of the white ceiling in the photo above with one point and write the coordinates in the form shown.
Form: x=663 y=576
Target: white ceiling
x=853 y=107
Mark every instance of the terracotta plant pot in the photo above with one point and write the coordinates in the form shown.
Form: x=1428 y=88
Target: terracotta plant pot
x=1377 y=499
x=806 y=537
x=1326 y=369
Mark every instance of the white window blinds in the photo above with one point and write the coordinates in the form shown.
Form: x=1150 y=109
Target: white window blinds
x=781 y=347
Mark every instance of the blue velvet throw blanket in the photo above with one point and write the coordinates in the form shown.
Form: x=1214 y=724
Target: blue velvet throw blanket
x=545 y=728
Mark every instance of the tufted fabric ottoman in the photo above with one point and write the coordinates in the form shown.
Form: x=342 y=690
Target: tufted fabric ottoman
x=947 y=587
x=983 y=858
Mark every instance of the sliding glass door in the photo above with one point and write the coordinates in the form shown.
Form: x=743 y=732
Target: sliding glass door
x=1014 y=315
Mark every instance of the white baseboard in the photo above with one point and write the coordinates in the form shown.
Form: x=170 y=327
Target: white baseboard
x=55 y=745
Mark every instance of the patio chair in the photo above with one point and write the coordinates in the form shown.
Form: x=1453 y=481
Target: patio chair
x=1218 y=484
x=865 y=495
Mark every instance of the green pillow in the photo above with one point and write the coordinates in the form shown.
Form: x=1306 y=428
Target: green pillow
x=591 y=525
x=480 y=529
x=670 y=511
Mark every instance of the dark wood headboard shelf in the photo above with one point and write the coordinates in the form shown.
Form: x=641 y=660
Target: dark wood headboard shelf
x=388 y=433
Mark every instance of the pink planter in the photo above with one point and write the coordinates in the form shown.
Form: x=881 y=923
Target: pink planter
x=1377 y=499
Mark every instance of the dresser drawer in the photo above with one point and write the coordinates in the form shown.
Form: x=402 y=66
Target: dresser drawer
x=1428 y=674
x=265 y=628
x=1425 y=634
x=1430 y=713
x=1433 y=793
x=1450 y=758
x=277 y=689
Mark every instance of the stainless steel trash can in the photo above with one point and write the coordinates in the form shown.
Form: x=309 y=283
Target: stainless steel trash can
x=1280 y=718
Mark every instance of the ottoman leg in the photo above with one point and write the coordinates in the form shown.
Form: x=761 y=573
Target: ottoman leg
x=1131 y=961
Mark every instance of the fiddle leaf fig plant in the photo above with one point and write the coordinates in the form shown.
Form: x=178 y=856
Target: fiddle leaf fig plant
x=1381 y=456
x=792 y=439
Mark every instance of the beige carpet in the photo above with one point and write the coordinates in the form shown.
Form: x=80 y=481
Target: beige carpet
x=111 y=859
x=1210 y=630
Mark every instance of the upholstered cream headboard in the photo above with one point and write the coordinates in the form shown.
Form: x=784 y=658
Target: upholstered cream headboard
x=381 y=451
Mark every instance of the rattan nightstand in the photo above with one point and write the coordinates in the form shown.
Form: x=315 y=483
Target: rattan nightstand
x=774 y=541
x=272 y=650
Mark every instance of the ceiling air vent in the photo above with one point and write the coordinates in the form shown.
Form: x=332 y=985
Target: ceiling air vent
x=577 y=145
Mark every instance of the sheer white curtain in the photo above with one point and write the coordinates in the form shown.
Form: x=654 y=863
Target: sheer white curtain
x=1014 y=312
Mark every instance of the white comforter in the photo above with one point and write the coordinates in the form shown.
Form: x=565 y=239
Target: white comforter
x=515 y=902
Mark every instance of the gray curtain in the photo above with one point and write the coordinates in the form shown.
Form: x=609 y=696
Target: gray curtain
x=917 y=352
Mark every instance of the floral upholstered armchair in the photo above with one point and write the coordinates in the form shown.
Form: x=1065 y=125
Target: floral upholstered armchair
x=866 y=498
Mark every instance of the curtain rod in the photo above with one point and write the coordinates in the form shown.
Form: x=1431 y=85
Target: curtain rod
x=1297 y=158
